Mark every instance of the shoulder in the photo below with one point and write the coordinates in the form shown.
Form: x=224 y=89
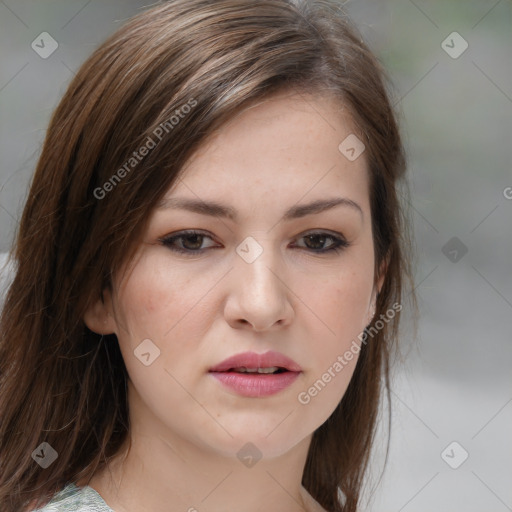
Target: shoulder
x=76 y=499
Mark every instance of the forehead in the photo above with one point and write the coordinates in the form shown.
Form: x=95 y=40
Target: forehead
x=281 y=149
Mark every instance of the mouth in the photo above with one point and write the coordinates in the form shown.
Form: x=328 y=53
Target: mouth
x=262 y=371
x=252 y=362
x=256 y=375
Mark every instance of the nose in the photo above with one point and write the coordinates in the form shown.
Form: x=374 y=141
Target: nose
x=259 y=298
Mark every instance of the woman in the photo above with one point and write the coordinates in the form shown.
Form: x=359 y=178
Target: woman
x=210 y=269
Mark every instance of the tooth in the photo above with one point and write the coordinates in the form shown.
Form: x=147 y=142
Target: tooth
x=272 y=369
x=243 y=369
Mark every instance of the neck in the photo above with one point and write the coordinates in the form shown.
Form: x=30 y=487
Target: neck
x=162 y=469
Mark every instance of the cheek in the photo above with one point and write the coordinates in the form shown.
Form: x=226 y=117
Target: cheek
x=339 y=306
x=156 y=300
x=159 y=305
x=172 y=308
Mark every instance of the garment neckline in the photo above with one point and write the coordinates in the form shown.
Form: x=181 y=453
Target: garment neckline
x=312 y=502
x=91 y=490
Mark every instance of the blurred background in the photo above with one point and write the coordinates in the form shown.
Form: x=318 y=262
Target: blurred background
x=451 y=66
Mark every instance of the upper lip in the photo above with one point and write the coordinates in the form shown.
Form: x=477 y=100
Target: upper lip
x=254 y=360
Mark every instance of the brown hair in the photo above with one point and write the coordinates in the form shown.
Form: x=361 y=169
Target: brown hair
x=66 y=385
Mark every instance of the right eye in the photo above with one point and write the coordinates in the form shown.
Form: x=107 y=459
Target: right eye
x=186 y=242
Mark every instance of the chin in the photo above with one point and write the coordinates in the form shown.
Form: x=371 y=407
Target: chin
x=261 y=441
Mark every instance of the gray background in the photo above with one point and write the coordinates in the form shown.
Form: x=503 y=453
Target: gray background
x=455 y=381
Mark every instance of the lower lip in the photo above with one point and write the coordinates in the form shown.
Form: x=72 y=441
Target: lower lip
x=256 y=384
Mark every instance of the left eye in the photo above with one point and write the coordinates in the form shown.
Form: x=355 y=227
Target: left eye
x=190 y=242
x=313 y=240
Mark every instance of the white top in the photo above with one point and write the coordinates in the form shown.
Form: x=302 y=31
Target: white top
x=85 y=499
x=76 y=499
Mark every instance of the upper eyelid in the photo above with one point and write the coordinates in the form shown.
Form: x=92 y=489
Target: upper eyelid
x=191 y=232
x=187 y=232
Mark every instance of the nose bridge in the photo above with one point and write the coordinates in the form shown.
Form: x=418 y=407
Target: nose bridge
x=257 y=262
x=258 y=294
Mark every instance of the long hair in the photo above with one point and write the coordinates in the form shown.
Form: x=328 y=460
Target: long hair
x=175 y=72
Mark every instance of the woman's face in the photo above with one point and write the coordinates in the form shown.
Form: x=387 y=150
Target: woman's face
x=262 y=280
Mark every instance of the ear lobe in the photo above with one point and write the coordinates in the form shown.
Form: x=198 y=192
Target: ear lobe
x=97 y=316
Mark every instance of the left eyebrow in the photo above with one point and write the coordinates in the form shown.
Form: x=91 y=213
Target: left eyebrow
x=216 y=209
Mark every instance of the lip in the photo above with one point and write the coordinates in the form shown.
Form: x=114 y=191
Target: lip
x=254 y=360
x=256 y=384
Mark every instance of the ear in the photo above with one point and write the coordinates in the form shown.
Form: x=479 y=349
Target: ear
x=377 y=288
x=382 y=274
x=98 y=316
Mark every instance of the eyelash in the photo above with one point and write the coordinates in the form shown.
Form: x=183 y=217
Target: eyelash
x=339 y=242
